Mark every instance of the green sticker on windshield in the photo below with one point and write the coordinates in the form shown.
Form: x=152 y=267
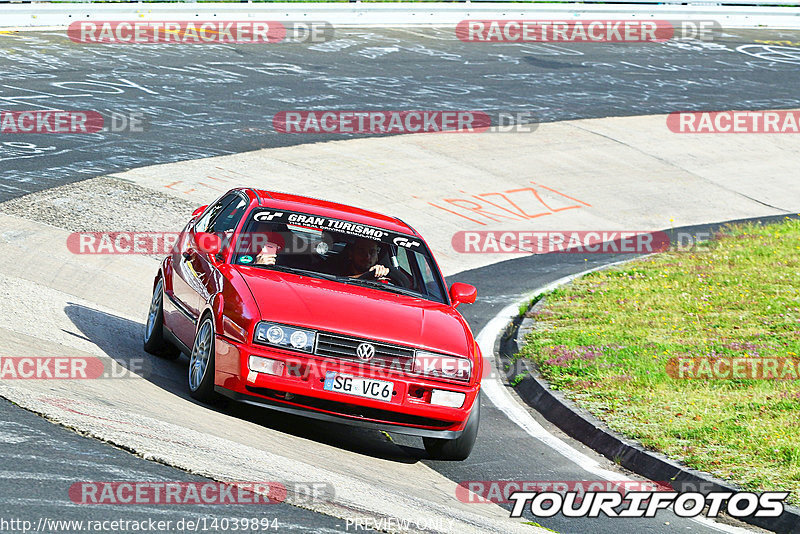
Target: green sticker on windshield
x=246 y=259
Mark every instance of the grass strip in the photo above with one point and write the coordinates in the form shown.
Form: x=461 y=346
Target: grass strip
x=605 y=340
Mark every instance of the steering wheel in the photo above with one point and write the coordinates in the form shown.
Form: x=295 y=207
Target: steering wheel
x=370 y=275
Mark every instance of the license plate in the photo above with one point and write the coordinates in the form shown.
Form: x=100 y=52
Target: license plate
x=361 y=387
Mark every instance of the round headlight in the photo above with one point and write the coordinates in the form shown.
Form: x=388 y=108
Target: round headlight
x=275 y=334
x=299 y=339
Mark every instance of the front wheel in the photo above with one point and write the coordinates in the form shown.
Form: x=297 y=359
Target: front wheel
x=154 y=341
x=460 y=447
x=201 y=362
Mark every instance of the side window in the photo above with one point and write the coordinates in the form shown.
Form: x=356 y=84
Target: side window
x=211 y=213
x=222 y=216
x=402 y=259
x=434 y=289
x=414 y=262
x=229 y=216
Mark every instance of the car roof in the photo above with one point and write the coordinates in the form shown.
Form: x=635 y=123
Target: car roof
x=325 y=208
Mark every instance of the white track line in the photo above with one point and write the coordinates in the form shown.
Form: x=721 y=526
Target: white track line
x=502 y=399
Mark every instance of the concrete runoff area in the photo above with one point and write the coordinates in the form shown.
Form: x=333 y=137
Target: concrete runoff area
x=596 y=174
x=211 y=100
x=628 y=173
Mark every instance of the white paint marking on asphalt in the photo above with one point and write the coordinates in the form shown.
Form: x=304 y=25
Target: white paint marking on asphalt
x=106 y=469
x=502 y=399
x=29 y=475
x=7 y=437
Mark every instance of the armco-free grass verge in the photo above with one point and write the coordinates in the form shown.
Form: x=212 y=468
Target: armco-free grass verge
x=607 y=341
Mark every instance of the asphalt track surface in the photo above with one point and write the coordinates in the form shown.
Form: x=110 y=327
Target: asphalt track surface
x=41 y=461
x=212 y=100
x=206 y=100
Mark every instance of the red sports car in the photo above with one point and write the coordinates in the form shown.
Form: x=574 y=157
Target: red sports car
x=323 y=310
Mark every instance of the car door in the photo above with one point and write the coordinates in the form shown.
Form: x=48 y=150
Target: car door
x=224 y=226
x=188 y=284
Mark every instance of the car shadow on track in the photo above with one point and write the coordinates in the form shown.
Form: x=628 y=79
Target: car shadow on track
x=121 y=340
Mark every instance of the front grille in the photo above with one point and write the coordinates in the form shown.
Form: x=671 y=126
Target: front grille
x=344 y=348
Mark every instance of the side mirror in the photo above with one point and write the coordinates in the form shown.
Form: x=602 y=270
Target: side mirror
x=198 y=211
x=208 y=243
x=462 y=293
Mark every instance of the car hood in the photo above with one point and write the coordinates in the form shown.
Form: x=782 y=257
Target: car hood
x=357 y=311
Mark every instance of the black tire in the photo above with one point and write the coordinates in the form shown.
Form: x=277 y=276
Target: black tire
x=201 y=362
x=456 y=449
x=154 y=341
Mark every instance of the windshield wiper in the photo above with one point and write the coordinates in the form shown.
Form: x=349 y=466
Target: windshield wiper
x=344 y=279
x=295 y=270
x=379 y=285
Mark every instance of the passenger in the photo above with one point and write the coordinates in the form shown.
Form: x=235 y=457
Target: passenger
x=267 y=255
x=287 y=250
x=274 y=237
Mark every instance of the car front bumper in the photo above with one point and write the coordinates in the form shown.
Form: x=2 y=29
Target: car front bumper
x=301 y=392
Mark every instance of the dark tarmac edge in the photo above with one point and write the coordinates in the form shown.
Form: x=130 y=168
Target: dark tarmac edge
x=581 y=425
x=111 y=458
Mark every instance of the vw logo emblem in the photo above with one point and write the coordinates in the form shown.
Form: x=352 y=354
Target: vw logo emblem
x=365 y=352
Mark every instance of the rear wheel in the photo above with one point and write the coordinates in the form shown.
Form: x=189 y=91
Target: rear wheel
x=201 y=362
x=154 y=340
x=460 y=447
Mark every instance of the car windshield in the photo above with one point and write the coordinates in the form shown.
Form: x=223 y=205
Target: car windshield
x=340 y=250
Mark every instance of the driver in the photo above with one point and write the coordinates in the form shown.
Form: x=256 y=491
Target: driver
x=360 y=260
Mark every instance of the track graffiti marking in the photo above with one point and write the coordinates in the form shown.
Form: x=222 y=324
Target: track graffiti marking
x=518 y=204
